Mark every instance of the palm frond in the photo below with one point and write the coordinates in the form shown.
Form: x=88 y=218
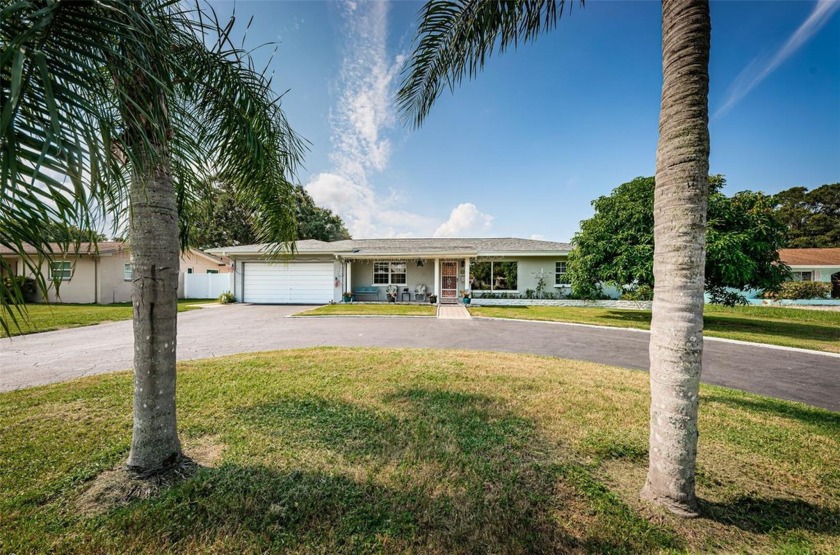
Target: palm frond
x=455 y=38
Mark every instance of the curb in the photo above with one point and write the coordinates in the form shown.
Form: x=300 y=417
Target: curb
x=638 y=330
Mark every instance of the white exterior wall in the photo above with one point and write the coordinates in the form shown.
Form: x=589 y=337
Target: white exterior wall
x=820 y=273
x=80 y=288
x=113 y=288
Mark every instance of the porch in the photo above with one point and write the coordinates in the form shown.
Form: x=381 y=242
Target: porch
x=415 y=280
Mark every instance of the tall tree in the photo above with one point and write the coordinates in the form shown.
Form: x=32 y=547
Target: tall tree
x=127 y=99
x=455 y=39
x=225 y=220
x=315 y=222
x=679 y=235
x=812 y=217
x=615 y=245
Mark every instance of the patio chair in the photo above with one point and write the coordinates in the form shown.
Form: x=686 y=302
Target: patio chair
x=420 y=292
x=391 y=293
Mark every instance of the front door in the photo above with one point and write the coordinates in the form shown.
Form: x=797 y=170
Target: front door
x=449 y=281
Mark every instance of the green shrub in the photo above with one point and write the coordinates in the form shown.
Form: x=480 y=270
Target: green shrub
x=640 y=293
x=726 y=297
x=25 y=285
x=804 y=290
x=226 y=298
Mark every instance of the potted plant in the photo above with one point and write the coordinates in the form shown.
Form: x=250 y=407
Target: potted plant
x=466 y=295
x=347 y=296
x=433 y=299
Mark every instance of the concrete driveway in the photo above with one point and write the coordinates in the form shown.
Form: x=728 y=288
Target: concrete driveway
x=223 y=330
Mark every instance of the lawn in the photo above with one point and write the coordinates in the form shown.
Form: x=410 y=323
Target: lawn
x=414 y=451
x=49 y=317
x=384 y=309
x=789 y=327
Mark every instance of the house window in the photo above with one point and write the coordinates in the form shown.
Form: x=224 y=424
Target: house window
x=803 y=276
x=212 y=271
x=560 y=273
x=61 y=271
x=385 y=273
x=189 y=270
x=493 y=276
x=127 y=272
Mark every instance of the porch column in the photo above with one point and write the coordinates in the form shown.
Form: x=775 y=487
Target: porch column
x=437 y=278
x=467 y=274
x=349 y=279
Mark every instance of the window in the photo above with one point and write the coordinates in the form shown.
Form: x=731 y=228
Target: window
x=560 y=273
x=492 y=276
x=189 y=270
x=385 y=273
x=61 y=271
x=127 y=272
x=803 y=276
x=212 y=271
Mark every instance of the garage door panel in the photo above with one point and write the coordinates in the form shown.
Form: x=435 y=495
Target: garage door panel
x=302 y=283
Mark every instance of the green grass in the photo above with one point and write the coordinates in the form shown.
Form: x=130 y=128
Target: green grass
x=49 y=317
x=384 y=309
x=790 y=327
x=414 y=451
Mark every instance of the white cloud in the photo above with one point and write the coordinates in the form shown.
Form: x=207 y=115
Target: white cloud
x=537 y=237
x=761 y=67
x=361 y=120
x=363 y=117
x=465 y=220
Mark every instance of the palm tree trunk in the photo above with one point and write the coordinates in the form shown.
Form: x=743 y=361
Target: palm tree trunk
x=155 y=250
x=682 y=189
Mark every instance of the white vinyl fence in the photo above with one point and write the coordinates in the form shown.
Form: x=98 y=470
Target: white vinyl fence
x=206 y=286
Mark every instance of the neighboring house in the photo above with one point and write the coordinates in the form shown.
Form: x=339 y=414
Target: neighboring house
x=102 y=273
x=814 y=265
x=319 y=272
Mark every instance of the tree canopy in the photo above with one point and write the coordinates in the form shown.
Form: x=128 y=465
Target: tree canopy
x=225 y=220
x=812 y=217
x=743 y=236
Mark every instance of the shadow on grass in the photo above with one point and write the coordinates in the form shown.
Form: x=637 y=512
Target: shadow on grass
x=433 y=471
x=830 y=421
x=770 y=515
x=790 y=330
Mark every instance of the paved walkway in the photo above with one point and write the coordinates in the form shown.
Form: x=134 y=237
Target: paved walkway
x=453 y=312
x=62 y=355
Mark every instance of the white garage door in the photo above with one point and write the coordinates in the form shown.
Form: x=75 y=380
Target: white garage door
x=293 y=283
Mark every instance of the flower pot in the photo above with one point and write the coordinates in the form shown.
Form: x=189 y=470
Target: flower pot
x=433 y=299
x=466 y=300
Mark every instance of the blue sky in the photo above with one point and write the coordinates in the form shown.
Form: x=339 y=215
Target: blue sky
x=523 y=149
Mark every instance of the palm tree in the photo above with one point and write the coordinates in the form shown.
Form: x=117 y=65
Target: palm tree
x=454 y=40
x=127 y=99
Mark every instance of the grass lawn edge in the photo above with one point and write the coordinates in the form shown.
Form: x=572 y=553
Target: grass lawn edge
x=642 y=330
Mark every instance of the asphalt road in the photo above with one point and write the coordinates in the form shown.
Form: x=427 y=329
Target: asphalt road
x=223 y=330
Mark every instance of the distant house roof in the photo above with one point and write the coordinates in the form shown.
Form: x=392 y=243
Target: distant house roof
x=103 y=247
x=412 y=247
x=810 y=257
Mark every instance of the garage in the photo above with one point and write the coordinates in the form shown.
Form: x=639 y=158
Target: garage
x=290 y=283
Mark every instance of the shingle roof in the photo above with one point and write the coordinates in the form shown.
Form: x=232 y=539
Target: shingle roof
x=412 y=246
x=810 y=257
x=104 y=247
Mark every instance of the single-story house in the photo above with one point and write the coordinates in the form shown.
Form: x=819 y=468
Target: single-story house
x=319 y=272
x=101 y=273
x=814 y=265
